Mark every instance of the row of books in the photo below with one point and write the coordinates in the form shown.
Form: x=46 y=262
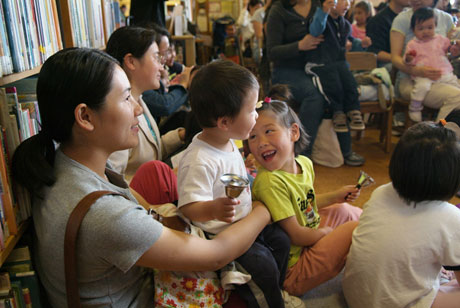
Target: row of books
x=19 y=287
x=19 y=120
x=30 y=29
x=29 y=32
x=87 y=18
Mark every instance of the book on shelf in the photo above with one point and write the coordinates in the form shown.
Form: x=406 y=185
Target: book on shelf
x=19 y=267
x=6 y=62
x=30 y=33
x=9 y=211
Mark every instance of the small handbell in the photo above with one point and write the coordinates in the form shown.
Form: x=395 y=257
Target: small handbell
x=234 y=184
x=364 y=180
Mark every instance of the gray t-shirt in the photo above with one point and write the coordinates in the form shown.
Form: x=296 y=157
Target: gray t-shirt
x=114 y=234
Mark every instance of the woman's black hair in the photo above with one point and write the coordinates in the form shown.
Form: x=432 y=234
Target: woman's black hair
x=286 y=116
x=420 y=15
x=133 y=40
x=68 y=78
x=425 y=164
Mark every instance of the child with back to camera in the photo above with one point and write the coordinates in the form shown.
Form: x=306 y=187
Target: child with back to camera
x=328 y=62
x=319 y=227
x=223 y=96
x=409 y=230
x=427 y=49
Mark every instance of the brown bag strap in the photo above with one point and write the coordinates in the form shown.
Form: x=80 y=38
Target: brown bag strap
x=70 y=240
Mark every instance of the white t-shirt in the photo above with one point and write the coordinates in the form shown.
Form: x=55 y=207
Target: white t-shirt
x=397 y=251
x=198 y=179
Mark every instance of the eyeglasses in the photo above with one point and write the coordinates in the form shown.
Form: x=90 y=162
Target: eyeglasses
x=160 y=58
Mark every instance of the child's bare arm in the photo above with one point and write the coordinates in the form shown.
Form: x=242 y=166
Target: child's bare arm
x=222 y=209
x=302 y=236
x=348 y=193
x=457 y=275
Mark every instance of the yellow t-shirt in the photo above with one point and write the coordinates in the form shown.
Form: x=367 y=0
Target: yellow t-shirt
x=286 y=194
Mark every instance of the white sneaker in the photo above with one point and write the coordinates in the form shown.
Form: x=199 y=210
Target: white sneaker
x=292 y=301
x=415 y=116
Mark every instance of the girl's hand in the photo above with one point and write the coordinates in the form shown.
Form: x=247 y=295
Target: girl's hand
x=325 y=230
x=366 y=42
x=250 y=162
x=427 y=72
x=328 y=5
x=348 y=193
x=410 y=56
x=309 y=42
x=224 y=209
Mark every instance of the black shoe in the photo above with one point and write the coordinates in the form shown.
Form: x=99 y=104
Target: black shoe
x=354 y=160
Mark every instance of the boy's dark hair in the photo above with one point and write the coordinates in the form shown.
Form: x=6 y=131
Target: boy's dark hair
x=420 y=15
x=425 y=164
x=286 y=116
x=282 y=92
x=253 y=3
x=218 y=90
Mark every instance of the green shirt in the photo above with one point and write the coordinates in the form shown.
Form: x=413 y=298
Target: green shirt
x=286 y=194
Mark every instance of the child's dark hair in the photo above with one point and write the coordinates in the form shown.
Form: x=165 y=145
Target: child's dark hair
x=219 y=89
x=425 y=164
x=365 y=6
x=420 y=15
x=286 y=116
x=282 y=92
x=253 y=3
x=68 y=78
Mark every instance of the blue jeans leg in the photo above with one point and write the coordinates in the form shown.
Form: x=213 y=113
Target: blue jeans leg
x=312 y=105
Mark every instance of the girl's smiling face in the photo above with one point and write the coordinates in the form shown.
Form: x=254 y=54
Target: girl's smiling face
x=272 y=144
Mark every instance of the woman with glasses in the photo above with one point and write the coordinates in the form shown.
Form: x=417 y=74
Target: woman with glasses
x=166 y=100
x=137 y=51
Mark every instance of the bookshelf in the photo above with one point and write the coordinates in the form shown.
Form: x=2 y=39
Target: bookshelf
x=30 y=32
x=12 y=241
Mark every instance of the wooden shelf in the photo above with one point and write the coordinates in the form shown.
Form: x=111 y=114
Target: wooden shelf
x=17 y=76
x=12 y=241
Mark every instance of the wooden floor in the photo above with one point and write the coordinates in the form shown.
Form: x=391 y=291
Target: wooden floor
x=377 y=162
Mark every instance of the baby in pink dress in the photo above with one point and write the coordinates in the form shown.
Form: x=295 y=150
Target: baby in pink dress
x=427 y=49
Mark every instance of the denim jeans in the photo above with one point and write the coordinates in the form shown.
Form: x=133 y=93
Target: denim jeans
x=313 y=106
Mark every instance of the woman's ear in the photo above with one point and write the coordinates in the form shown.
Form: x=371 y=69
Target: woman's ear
x=294 y=132
x=84 y=117
x=129 y=61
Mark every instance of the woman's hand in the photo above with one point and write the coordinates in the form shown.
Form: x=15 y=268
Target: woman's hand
x=426 y=72
x=309 y=42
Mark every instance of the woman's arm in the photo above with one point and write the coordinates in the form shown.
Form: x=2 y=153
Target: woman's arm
x=182 y=252
x=302 y=236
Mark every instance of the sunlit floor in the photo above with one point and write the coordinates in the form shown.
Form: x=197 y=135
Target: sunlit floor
x=377 y=161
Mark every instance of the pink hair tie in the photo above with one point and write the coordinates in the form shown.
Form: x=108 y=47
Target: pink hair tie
x=267 y=100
